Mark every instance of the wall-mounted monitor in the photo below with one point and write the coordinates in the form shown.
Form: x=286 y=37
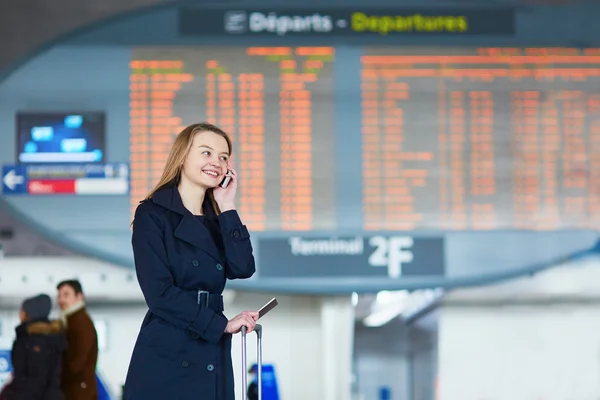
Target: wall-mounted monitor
x=65 y=137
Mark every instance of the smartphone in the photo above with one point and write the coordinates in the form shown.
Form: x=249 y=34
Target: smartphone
x=267 y=307
x=225 y=181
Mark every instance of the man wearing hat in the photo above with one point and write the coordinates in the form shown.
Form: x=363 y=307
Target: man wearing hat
x=36 y=353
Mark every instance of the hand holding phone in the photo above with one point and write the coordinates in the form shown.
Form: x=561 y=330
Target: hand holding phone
x=225 y=192
x=225 y=181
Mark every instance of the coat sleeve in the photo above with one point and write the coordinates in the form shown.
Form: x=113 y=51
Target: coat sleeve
x=176 y=306
x=238 y=248
x=18 y=357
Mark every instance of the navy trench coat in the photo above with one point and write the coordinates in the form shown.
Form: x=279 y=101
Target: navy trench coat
x=182 y=350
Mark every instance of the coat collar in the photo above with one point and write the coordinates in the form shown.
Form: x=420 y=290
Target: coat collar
x=189 y=229
x=169 y=198
x=21 y=329
x=40 y=327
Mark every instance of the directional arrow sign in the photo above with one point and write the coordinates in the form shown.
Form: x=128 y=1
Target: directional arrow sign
x=11 y=179
x=14 y=180
x=67 y=180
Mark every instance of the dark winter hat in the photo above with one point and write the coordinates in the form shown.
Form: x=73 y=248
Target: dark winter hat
x=37 y=307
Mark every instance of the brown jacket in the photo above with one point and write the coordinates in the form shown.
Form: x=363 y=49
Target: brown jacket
x=79 y=364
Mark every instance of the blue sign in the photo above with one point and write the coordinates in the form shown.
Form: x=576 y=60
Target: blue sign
x=347 y=22
x=103 y=393
x=5 y=366
x=74 y=179
x=385 y=393
x=270 y=390
x=5 y=363
x=14 y=179
x=394 y=256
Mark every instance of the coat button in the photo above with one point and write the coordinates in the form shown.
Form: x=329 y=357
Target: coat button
x=192 y=334
x=236 y=233
x=210 y=367
x=195 y=263
x=219 y=267
x=184 y=363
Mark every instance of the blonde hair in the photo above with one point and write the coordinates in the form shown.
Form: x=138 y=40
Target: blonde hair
x=179 y=151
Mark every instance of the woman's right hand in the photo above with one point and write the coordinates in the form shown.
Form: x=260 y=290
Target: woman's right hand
x=245 y=318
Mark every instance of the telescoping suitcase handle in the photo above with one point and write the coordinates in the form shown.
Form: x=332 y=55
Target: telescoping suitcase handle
x=258 y=330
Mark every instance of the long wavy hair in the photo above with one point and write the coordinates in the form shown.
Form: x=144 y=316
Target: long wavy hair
x=179 y=151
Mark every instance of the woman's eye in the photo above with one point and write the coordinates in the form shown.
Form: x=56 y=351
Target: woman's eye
x=224 y=159
x=206 y=153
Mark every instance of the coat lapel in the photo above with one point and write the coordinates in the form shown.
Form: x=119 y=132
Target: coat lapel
x=193 y=232
x=189 y=229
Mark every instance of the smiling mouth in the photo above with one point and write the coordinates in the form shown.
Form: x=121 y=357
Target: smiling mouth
x=213 y=174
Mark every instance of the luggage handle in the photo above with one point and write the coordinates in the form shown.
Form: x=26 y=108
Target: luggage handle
x=258 y=330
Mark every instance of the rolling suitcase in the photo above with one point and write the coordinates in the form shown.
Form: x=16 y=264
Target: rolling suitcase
x=258 y=330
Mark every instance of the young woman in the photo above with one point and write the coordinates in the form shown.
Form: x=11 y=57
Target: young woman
x=187 y=240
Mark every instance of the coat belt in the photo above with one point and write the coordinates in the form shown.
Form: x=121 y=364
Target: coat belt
x=213 y=301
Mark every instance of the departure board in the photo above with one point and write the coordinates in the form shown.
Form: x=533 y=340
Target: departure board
x=440 y=138
x=479 y=139
x=271 y=101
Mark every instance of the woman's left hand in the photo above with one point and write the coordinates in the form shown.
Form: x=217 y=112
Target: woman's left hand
x=225 y=198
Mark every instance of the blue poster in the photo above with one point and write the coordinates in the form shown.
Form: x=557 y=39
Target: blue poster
x=269 y=382
x=385 y=393
x=5 y=366
x=103 y=393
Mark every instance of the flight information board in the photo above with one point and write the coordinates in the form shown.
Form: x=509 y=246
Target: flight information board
x=451 y=138
x=480 y=139
x=275 y=102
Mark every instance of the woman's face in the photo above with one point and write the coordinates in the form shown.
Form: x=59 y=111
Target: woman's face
x=206 y=162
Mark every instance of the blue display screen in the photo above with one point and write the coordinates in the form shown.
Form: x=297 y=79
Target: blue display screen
x=48 y=138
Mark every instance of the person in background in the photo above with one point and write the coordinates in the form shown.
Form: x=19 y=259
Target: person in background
x=36 y=354
x=79 y=363
x=253 y=386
